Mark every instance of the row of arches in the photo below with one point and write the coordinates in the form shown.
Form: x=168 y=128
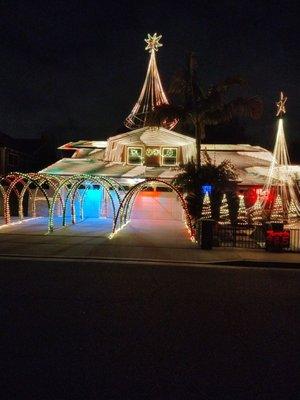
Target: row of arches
x=61 y=193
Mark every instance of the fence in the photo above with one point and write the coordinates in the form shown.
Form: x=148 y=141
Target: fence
x=250 y=237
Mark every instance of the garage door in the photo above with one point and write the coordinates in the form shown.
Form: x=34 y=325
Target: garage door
x=157 y=205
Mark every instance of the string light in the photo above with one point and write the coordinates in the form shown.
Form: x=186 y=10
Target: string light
x=242 y=217
x=153 y=42
x=124 y=211
x=224 y=218
x=206 y=208
x=152 y=93
x=281 y=105
x=280 y=177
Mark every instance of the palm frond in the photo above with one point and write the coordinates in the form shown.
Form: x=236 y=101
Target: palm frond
x=228 y=83
x=239 y=107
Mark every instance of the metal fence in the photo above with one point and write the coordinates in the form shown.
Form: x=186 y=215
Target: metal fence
x=250 y=237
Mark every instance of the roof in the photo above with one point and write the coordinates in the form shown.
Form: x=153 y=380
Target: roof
x=251 y=163
x=84 y=144
x=153 y=136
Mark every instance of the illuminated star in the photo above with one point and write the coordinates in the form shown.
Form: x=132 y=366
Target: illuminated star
x=153 y=42
x=281 y=105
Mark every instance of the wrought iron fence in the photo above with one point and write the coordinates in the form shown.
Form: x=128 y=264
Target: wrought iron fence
x=250 y=237
x=246 y=236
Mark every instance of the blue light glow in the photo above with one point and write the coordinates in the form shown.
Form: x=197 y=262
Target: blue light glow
x=207 y=188
x=92 y=202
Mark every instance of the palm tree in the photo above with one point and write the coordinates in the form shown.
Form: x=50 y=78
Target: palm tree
x=204 y=108
x=222 y=178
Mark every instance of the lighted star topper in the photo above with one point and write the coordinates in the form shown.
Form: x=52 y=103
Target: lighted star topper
x=281 y=105
x=153 y=42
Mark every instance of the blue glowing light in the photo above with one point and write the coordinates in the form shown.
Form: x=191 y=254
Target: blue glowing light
x=207 y=188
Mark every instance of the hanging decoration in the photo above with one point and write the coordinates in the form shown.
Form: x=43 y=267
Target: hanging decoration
x=153 y=152
x=152 y=93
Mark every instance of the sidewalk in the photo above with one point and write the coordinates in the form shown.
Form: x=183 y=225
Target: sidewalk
x=77 y=247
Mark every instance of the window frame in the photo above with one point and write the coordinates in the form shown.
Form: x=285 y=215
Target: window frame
x=163 y=157
x=142 y=154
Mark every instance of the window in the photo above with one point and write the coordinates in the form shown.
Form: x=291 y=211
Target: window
x=169 y=156
x=135 y=155
x=13 y=160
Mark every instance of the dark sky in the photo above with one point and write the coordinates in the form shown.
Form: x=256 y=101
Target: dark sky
x=83 y=63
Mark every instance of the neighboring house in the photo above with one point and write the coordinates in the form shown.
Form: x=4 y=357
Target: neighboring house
x=18 y=154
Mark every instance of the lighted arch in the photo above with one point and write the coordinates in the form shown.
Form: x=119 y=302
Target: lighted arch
x=124 y=211
x=105 y=182
x=73 y=190
x=41 y=178
x=20 y=178
x=9 y=179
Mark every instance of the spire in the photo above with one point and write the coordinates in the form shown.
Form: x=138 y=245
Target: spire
x=152 y=93
x=280 y=176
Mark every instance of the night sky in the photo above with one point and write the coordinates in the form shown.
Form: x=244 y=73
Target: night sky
x=71 y=64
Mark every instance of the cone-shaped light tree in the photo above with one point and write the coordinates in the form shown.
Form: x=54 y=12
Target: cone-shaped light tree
x=292 y=213
x=277 y=210
x=152 y=93
x=256 y=213
x=242 y=217
x=280 y=176
x=224 y=218
x=206 y=207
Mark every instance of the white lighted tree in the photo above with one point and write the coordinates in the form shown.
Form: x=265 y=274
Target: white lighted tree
x=224 y=218
x=152 y=94
x=256 y=213
x=206 y=207
x=242 y=217
x=280 y=175
x=292 y=213
x=277 y=210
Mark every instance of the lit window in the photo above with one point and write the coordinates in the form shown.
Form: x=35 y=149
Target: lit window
x=169 y=156
x=135 y=155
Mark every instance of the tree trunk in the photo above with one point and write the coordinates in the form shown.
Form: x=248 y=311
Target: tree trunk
x=199 y=131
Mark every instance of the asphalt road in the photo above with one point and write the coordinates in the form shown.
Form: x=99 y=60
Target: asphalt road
x=91 y=330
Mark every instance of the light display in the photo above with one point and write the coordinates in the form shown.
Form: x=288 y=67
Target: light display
x=280 y=177
x=20 y=178
x=153 y=42
x=242 y=217
x=256 y=213
x=124 y=212
x=206 y=208
x=277 y=210
x=224 y=218
x=153 y=152
x=281 y=105
x=74 y=183
x=152 y=93
x=65 y=190
x=292 y=213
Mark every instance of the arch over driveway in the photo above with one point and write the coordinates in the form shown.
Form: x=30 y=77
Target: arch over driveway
x=124 y=211
x=72 y=184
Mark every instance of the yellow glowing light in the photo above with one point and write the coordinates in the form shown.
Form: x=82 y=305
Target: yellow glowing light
x=281 y=105
x=153 y=42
